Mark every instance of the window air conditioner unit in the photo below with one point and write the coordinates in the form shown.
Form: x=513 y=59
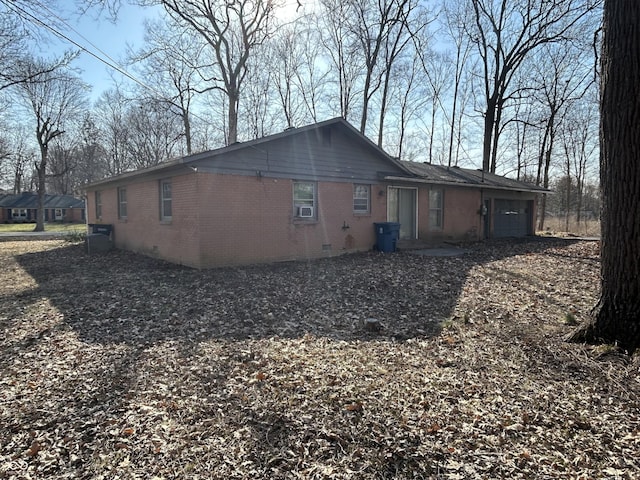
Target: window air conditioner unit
x=305 y=212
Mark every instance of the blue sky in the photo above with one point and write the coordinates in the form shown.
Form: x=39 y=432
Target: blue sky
x=106 y=38
x=100 y=36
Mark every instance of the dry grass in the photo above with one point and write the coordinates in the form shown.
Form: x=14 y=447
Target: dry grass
x=118 y=366
x=48 y=227
x=584 y=228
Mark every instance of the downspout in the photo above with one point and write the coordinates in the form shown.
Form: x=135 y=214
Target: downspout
x=198 y=220
x=481 y=217
x=86 y=222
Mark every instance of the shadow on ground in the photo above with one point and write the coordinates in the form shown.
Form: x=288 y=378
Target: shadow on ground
x=107 y=352
x=123 y=298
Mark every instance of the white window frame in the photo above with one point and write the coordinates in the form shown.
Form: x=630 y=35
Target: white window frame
x=22 y=213
x=304 y=201
x=166 y=202
x=122 y=203
x=58 y=214
x=361 y=204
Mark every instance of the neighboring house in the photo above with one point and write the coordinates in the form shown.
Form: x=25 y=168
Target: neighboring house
x=304 y=193
x=23 y=208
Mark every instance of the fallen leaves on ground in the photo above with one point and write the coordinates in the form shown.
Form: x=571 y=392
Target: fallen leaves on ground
x=121 y=366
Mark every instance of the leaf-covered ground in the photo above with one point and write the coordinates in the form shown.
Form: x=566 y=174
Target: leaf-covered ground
x=117 y=366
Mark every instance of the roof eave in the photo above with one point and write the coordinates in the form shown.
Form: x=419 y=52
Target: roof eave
x=174 y=164
x=422 y=180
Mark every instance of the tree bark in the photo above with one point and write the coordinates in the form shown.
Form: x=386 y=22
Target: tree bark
x=616 y=317
x=489 y=121
x=233 y=118
x=41 y=169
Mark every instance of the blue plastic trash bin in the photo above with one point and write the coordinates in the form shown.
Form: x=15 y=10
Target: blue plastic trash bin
x=387 y=234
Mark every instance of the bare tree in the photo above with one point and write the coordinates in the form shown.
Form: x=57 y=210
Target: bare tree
x=564 y=79
x=111 y=110
x=13 y=44
x=311 y=78
x=341 y=48
x=5 y=155
x=10 y=49
x=380 y=29
x=505 y=34
x=411 y=25
x=259 y=109
x=288 y=49
x=438 y=76
x=93 y=163
x=578 y=148
x=409 y=99
x=52 y=98
x=153 y=133
x=63 y=159
x=615 y=317
x=462 y=47
x=76 y=159
x=233 y=29
x=171 y=63
x=20 y=29
x=578 y=135
x=17 y=158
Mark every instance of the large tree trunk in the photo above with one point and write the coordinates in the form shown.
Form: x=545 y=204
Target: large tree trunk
x=42 y=179
x=545 y=183
x=41 y=170
x=187 y=130
x=233 y=118
x=616 y=318
x=489 y=120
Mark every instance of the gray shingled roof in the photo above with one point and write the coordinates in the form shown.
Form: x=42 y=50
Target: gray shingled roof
x=254 y=145
x=30 y=200
x=407 y=171
x=439 y=174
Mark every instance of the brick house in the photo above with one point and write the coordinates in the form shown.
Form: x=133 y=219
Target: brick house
x=304 y=193
x=23 y=208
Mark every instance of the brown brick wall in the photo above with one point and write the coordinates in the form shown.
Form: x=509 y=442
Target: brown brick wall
x=234 y=220
x=143 y=231
x=249 y=219
x=462 y=220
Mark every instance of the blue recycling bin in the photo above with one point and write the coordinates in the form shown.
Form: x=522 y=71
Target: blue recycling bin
x=387 y=234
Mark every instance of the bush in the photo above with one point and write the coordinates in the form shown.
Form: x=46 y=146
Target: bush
x=75 y=237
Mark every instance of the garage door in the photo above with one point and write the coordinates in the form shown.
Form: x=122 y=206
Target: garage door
x=512 y=218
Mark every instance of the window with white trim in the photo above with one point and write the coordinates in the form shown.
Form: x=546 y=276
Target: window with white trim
x=122 y=202
x=361 y=198
x=305 y=200
x=165 y=200
x=436 y=208
x=19 y=213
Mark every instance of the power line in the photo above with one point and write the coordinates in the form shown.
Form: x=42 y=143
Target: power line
x=38 y=22
x=111 y=63
x=66 y=24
